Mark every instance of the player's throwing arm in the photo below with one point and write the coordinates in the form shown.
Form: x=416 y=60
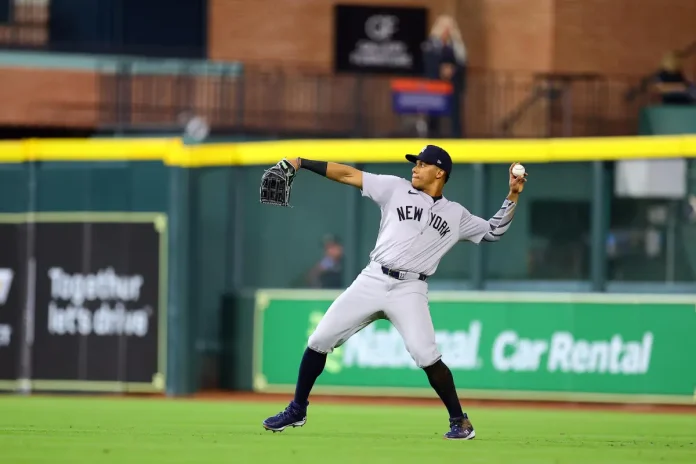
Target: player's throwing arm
x=276 y=182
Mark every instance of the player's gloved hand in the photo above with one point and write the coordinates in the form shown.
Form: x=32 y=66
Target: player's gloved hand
x=276 y=183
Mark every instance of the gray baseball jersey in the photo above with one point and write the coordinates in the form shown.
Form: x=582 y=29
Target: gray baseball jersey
x=415 y=232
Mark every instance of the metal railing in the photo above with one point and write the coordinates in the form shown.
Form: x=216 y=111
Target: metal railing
x=304 y=102
x=161 y=95
x=558 y=95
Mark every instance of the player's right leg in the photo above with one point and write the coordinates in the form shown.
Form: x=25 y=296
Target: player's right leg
x=353 y=310
x=408 y=310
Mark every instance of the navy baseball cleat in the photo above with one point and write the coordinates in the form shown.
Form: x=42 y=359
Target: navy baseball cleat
x=293 y=416
x=460 y=429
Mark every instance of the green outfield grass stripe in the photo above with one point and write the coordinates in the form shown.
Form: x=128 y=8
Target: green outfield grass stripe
x=78 y=430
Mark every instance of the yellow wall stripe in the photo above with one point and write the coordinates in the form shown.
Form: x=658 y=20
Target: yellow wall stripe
x=173 y=152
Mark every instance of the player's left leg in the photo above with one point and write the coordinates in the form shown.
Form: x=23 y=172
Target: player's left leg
x=358 y=306
x=409 y=312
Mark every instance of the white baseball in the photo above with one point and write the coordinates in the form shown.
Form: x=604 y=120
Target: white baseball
x=518 y=170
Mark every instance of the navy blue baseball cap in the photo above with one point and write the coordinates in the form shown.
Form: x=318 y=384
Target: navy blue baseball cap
x=432 y=154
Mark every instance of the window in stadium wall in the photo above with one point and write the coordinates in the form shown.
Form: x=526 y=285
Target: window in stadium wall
x=550 y=236
x=651 y=240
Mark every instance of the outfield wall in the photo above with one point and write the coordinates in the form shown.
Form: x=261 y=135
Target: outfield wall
x=521 y=346
x=216 y=241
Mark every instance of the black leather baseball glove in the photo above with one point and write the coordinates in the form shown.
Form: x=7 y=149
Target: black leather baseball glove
x=276 y=183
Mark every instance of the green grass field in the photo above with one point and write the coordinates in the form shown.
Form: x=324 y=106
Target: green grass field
x=89 y=430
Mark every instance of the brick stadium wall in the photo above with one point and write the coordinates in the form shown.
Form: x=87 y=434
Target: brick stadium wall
x=605 y=36
x=620 y=36
x=48 y=98
x=623 y=37
x=525 y=36
x=297 y=32
x=508 y=34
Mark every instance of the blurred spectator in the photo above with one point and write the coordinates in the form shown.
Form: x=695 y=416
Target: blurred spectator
x=444 y=55
x=671 y=84
x=328 y=272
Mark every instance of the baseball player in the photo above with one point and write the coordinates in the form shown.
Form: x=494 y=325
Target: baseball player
x=418 y=226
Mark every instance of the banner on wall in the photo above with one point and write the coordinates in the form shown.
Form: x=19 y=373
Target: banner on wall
x=11 y=270
x=379 y=39
x=421 y=96
x=519 y=347
x=96 y=306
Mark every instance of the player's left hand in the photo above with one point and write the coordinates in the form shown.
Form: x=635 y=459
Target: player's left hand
x=516 y=183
